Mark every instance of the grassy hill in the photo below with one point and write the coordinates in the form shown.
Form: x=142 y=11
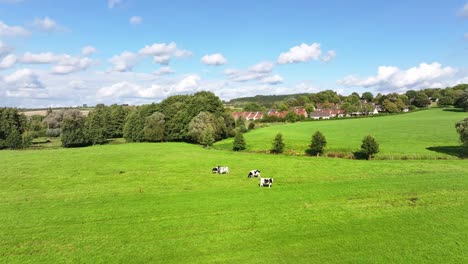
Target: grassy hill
x=424 y=134
x=160 y=203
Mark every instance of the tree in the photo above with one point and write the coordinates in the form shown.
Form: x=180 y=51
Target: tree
x=252 y=107
x=13 y=129
x=389 y=106
x=207 y=137
x=154 y=127
x=200 y=126
x=462 y=129
x=278 y=144
x=98 y=124
x=462 y=102
x=369 y=146
x=368 y=96
x=239 y=142
x=291 y=116
x=317 y=145
x=74 y=132
x=421 y=99
x=118 y=114
x=240 y=124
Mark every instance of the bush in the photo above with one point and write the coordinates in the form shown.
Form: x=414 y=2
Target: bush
x=53 y=132
x=317 y=145
x=278 y=144
x=74 y=133
x=239 y=142
x=251 y=125
x=369 y=146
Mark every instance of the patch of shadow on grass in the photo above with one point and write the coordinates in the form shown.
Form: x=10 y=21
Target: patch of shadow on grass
x=458 y=110
x=457 y=151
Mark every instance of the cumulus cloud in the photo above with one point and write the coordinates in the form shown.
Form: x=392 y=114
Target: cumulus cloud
x=39 y=58
x=5 y=49
x=64 y=63
x=394 y=79
x=331 y=54
x=259 y=72
x=463 y=12
x=301 y=53
x=162 y=53
x=214 y=59
x=164 y=71
x=88 y=50
x=7 y=62
x=135 y=20
x=273 y=80
x=124 y=61
x=23 y=79
x=47 y=24
x=12 y=31
x=113 y=3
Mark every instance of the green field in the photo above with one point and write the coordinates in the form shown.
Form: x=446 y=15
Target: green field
x=160 y=203
x=420 y=135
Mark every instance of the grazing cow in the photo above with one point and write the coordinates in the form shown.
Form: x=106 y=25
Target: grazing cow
x=215 y=169
x=223 y=170
x=266 y=182
x=254 y=173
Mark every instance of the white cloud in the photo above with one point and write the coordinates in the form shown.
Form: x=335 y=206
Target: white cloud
x=124 y=61
x=164 y=71
x=256 y=72
x=68 y=64
x=12 y=31
x=463 y=12
x=23 y=78
x=39 y=58
x=88 y=50
x=113 y=3
x=136 y=20
x=394 y=79
x=214 y=59
x=331 y=54
x=47 y=24
x=273 y=80
x=188 y=84
x=7 y=62
x=301 y=53
x=5 y=49
x=262 y=67
x=162 y=52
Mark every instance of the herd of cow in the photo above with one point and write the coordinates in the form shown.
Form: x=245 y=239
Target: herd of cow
x=252 y=174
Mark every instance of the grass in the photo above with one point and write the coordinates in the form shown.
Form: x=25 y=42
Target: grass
x=428 y=134
x=160 y=203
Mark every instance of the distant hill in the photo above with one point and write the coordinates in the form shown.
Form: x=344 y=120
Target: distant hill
x=265 y=99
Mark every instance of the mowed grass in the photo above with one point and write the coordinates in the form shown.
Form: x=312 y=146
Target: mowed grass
x=160 y=203
x=424 y=134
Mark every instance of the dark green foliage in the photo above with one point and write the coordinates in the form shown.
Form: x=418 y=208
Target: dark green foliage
x=369 y=146
x=462 y=102
x=390 y=107
x=278 y=144
x=135 y=123
x=317 y=145
x=74 y=132
x=239 y=142
x=98 y=124
x=291 y=116
x=207 y=138
x=368 y=96
x=445 y=101
x=13 y=126
x=462 y=129
x=200 y=126
x=252 y=107
x=118 y=114
x=251 y=125
x=421 y=99
x=154 y=127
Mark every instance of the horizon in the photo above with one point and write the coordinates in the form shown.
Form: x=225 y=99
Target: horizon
x=59 y=54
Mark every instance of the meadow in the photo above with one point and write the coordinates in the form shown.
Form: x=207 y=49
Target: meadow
x=428 y=134
x=160 y=203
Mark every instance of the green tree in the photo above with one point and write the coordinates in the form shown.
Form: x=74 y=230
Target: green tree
x=462 y=129
x=291 y=116
x=462 y=101
x=278 y=144
x=154 y=127
x=389 y=106
x=239 y=142
x=118 y=114
x=421 y=99
x=369 y=146
x=200 y=125
x=74 y=132
x=317 y=145
x=252 y=107
x=13 y=128
x=98 y=124
x=368 y=96
x=207 y=137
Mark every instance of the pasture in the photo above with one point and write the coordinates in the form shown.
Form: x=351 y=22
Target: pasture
x=160 y=203
x=428 y=134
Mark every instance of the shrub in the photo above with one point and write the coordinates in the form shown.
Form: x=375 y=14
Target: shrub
x=74 y=133
x=278 y=144
x=369 y=146
x=317 y=145
x=239 y=142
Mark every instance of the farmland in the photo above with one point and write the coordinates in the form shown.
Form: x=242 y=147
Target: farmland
x=160 y=203
x=426 y=134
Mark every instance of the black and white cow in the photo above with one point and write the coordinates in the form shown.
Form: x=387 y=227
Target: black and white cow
x=223 y=170
x=254 y=173
x=266 y=182
x=215 y=169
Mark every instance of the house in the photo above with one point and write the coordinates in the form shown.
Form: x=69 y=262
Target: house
x=321 y=114
x=248 y=115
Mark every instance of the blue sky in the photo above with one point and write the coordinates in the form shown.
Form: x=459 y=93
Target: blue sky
x=58 y=53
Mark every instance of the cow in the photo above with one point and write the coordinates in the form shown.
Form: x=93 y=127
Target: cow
x=266 y=182
x=223 y=170
x=215 y=169
x=253 y=173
